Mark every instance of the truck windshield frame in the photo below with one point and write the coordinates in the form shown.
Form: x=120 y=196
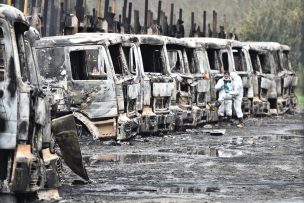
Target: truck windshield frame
x=88 y=63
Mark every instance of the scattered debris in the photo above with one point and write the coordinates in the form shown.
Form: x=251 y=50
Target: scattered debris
x=51 y=195
x=218 y=132
x=208 y=126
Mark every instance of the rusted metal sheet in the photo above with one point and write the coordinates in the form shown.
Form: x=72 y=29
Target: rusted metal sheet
x=21 y=168
x=98 y=129
x=52 y=165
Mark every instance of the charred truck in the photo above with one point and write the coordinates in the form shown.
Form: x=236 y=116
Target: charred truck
x=27 y=159
x=89 y=76
x=260 y=103
x=199 y=68
x=157 y=85
x=274 y=77
x=291 y=80
x=220 y=59
x=184 y=100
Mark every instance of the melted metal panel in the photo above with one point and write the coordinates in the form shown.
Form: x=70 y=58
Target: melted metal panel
x=24 y=114
x=146 y=88
x=133 y=91
x=265 y=83
x=203 y=85
x=162 y=89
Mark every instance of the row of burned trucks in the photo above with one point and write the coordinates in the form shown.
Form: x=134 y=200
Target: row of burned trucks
x=117 y=86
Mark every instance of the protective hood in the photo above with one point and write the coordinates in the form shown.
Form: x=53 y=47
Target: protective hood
x=235 y=77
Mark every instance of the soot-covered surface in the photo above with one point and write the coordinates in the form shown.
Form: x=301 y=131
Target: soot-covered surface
x=261 y=162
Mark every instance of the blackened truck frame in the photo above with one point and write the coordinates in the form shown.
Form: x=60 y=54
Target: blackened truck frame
x=242 y=64
x=260 y=103
x=220 y=59
x=274 y=78
x=102 y=96
x=27 y=159
x=156 y=83
x=179 y=54
x=199 y=68
x=291 y=80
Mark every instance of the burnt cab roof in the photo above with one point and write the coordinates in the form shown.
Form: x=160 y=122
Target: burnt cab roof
x=260 y=46
x=193 y=42
x=145 y=39
x=78 y=40
x=180 y=42
x=215 y=43
x=13 y=16
x=235 y=43
x=285 y=47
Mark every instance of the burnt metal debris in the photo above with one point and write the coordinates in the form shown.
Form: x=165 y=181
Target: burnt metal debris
x=114 y=83
x=28 y=161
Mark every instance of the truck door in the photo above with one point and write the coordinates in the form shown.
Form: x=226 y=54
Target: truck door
x=8 y=90
x=132 y=57
x=90 y=82
x=216 y=69
x=248 y=69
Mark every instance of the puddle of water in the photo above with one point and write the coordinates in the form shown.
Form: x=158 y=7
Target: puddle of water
x=156 y=158
x=297 y=131
x=229 y=153
x=190 y=151
x=189 y=189
x=208 y=151
x=127 y=158
x=260 y=138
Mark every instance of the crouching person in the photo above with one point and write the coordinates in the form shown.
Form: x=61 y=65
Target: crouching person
x=237 y=96
x=225 y=99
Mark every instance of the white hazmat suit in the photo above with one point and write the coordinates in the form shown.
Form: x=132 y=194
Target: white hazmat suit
x=237 y=94
x=224 y=97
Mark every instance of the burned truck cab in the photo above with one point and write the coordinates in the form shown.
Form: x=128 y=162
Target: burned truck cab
x=260 y=84
x=273 y=73
x=128 y=90
x=199 y=68
x=27 y=159
x=80 y=72
x=282 y=79
x=291 y=80
x=156 y=83
x=183 y=103
x=243 y=68
x=220 y=59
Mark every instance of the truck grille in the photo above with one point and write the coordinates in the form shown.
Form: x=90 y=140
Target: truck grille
x=161 y=103
x=131 y=106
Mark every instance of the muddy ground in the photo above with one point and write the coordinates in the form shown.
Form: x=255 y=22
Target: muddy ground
x=261 y=162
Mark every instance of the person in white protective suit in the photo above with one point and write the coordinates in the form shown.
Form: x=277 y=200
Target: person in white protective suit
x=237 y=96
x=223 y=85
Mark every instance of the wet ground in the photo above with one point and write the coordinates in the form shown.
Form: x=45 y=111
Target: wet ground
x=259 y=163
